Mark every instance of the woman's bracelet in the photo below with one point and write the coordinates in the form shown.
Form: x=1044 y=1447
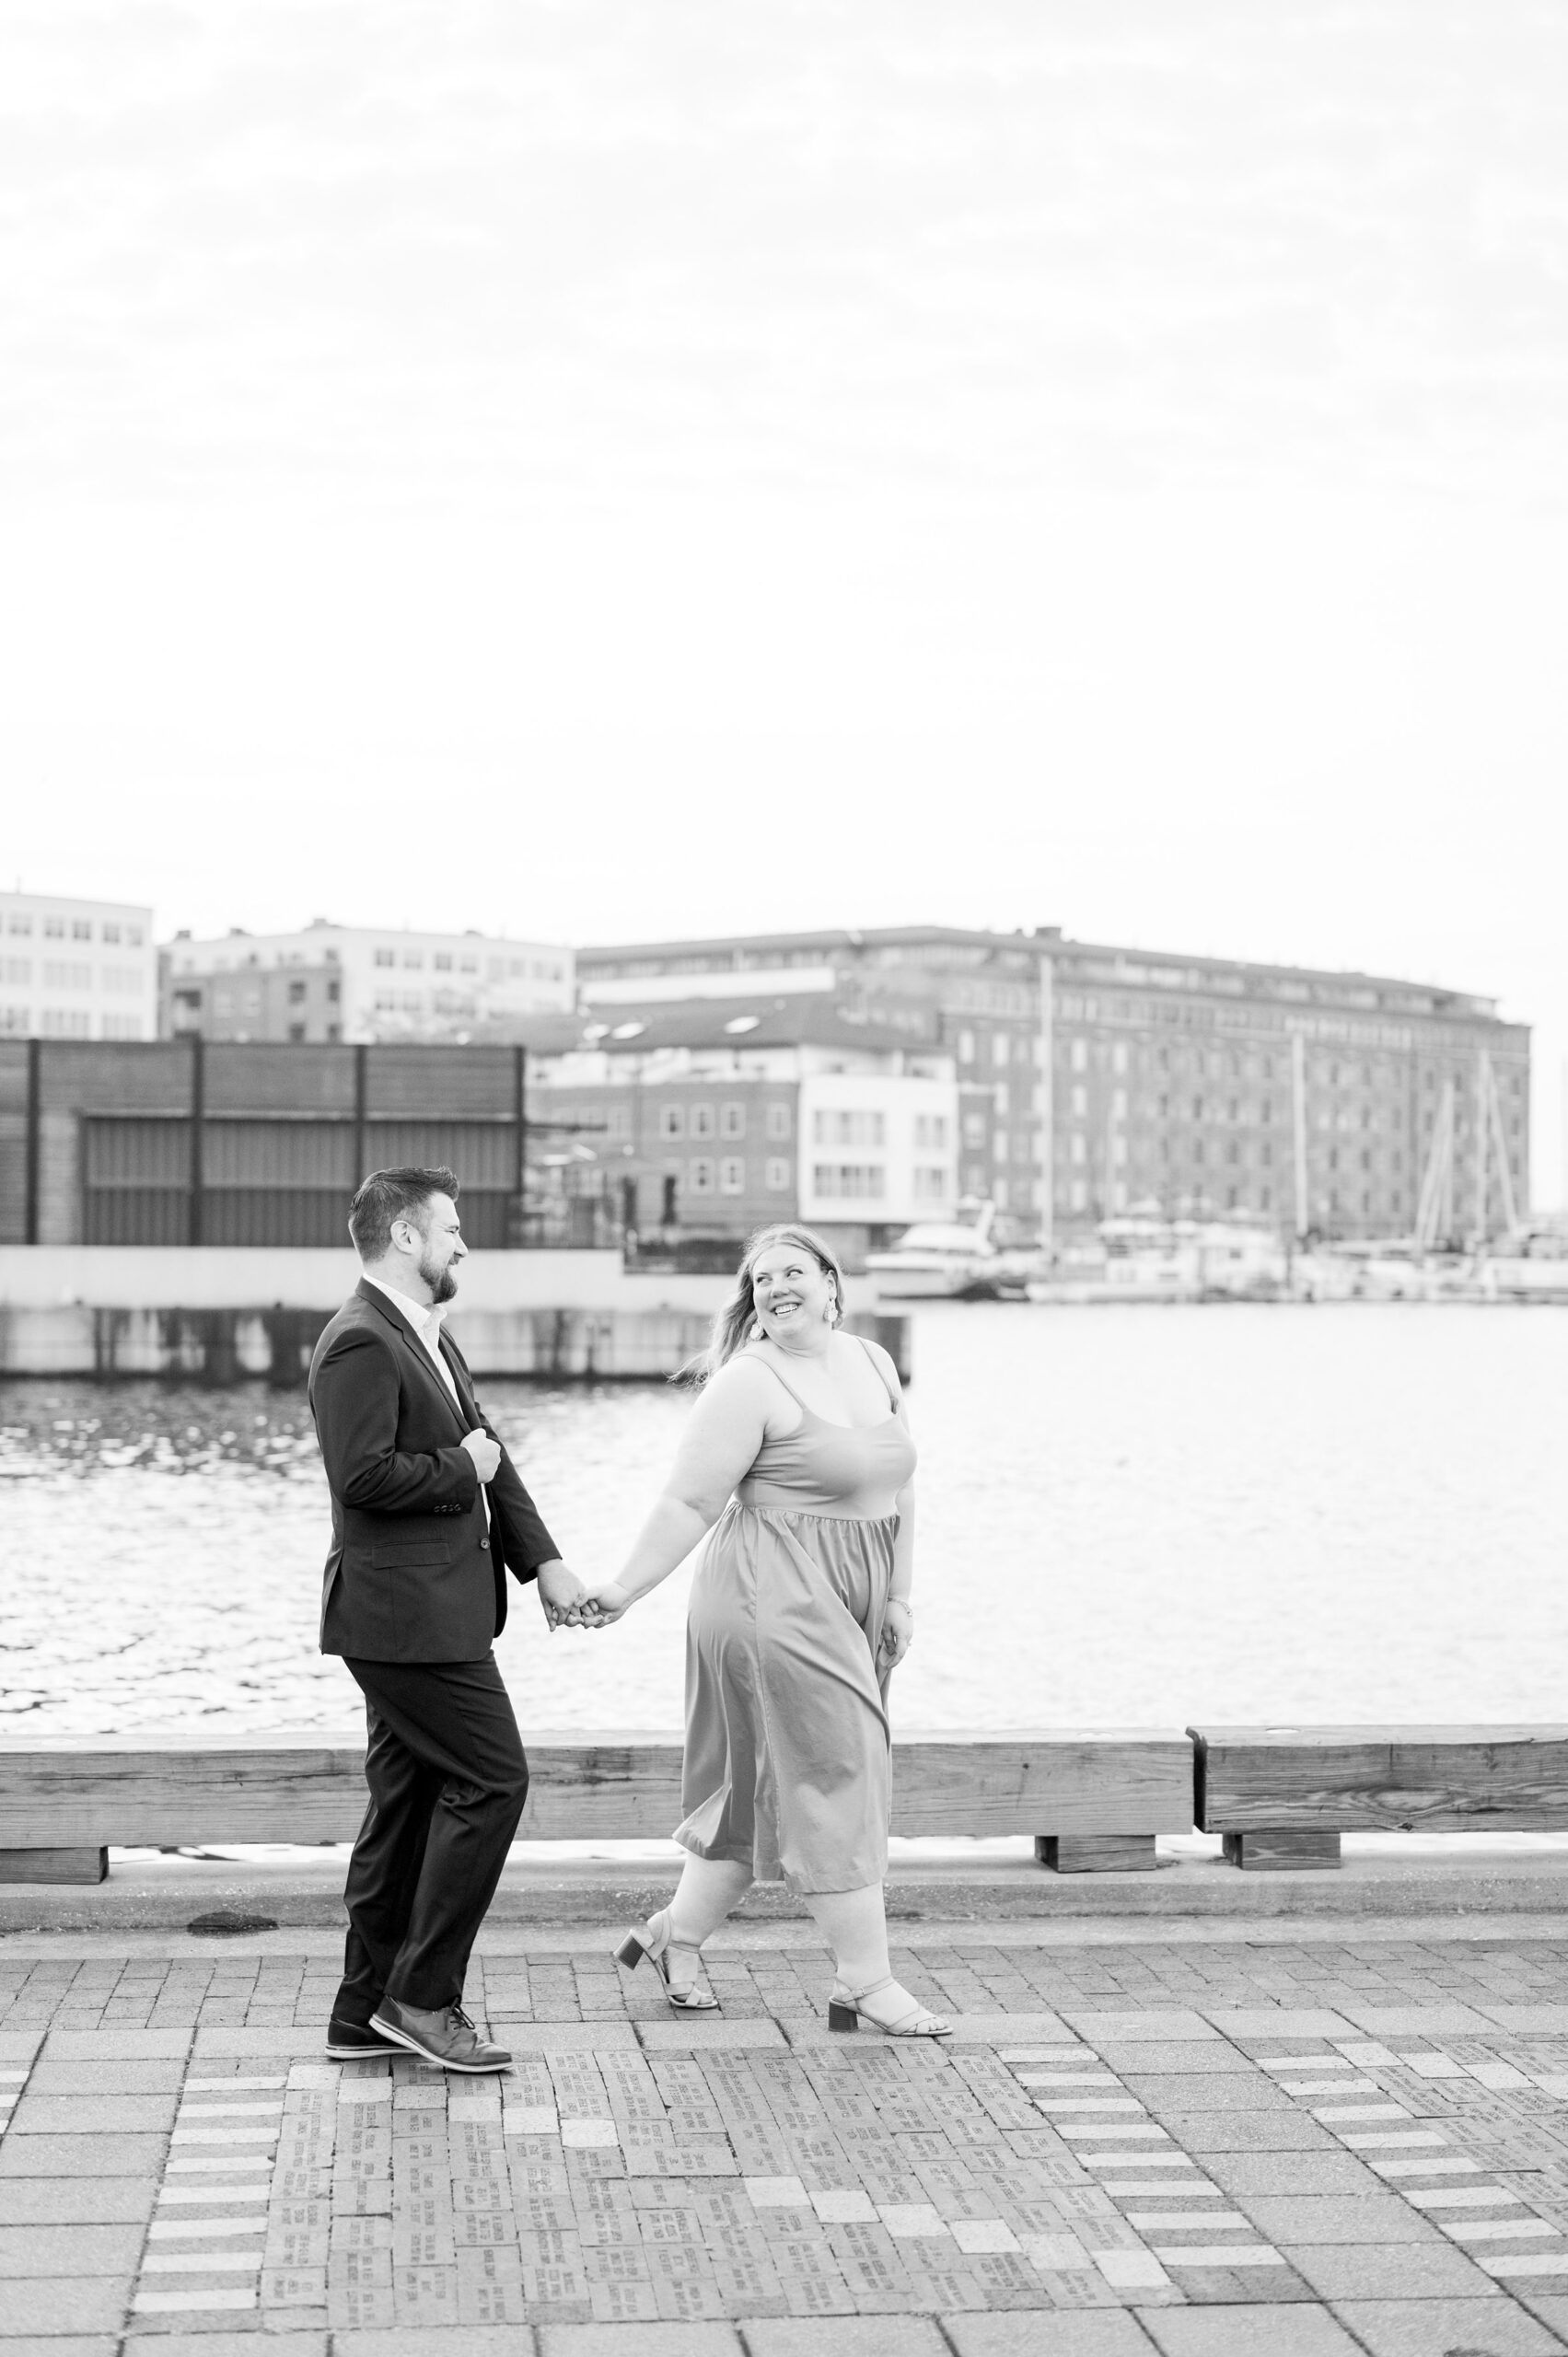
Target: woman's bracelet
x=902 y=1602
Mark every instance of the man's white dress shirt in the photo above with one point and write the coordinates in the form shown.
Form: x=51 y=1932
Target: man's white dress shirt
x=425 y=1317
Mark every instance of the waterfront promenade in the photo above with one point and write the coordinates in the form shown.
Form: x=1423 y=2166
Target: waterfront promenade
x=1195 y=2139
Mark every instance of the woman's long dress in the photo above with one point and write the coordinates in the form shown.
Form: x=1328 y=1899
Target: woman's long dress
x=788 y=1766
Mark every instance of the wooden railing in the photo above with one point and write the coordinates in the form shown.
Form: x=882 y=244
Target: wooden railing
x=1093 y=1799
x=1282 y=1797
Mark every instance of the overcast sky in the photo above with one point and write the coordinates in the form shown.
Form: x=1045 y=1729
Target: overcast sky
x=608 y=471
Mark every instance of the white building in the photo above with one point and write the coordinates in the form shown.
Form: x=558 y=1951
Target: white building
x=354 y=982
x=76 y=969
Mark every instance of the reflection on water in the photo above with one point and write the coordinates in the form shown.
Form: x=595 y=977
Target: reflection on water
x=1127 y=1516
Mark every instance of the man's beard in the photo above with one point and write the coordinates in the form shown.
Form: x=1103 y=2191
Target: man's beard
x=442 y=1283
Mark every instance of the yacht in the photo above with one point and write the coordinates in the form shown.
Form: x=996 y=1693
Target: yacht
x=937 y=1258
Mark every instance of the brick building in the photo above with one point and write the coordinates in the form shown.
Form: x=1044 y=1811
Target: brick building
x=356 y=984
x=711 y=1116
x=1092 y=1080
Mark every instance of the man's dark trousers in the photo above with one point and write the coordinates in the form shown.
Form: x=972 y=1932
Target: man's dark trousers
x=447 y=1779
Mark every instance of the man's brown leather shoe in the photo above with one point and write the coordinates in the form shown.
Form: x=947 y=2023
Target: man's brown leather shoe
x=447 y=2037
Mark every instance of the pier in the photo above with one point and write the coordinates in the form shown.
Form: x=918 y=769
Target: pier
x=1263 y=2102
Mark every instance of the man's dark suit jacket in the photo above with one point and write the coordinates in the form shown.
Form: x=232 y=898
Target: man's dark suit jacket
x=412 y=1574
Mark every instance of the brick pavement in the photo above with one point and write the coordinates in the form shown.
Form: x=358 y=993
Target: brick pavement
x=1197 y=2146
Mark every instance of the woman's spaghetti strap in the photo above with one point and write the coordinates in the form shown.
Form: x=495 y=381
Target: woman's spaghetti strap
x=892 y=1395
x=789 y=1386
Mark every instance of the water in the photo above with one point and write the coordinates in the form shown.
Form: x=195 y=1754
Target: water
x=1135 y=1516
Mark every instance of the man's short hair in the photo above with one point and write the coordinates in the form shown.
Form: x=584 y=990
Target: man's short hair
x=388 y=1195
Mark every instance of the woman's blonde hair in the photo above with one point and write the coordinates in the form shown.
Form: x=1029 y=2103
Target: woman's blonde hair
x=736 y=1322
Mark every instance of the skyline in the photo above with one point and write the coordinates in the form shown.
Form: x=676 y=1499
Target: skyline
x=622 y=478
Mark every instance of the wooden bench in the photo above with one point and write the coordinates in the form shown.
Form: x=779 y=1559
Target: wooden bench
x=1093 y=1799
x=1282 y=1797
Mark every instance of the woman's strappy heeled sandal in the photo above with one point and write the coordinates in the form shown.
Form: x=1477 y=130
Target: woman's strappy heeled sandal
x=690 y=1994
x=847 y=2010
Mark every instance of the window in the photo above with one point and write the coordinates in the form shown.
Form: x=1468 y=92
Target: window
x=999 y=1048
x=778 y=1121
x=699 y=1176
x=618 y=1122
x=1119 y=1104
x=777 y=1173
x=134 y=936
x=931 y=1132
x=732 y=1121
x=1080 y=1056
x=111 y=932
x=386 y=956
x=1078 y=1196
x=700 y=1121
x=974 y=1129
x=64 y=974
x=55 y=928
x=930 y=1185
x=1196 y=1109
x=965 y=1046
x=442 y=961
x=335 y=991
x=848 y=1181
x=296 y=994
x=19 y=924
x=999 y=1146
x=838 y=1125
x=80 y=929
x=13 y=1019
x=65 y=1023
x=1077 y=1150
x=16 y=969
x=1118 y=1056
x=121 y=1027
x=414 y=959
x=296 y=1033
x=732 y=1175
x=672 y=1121
x=1079 y=1102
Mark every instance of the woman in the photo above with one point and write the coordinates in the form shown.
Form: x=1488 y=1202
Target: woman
x=799 y=1451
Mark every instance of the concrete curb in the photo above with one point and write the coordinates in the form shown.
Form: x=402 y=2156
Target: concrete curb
x=168 y=1893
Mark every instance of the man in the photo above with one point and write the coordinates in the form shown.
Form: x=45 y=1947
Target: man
x=428 y=1516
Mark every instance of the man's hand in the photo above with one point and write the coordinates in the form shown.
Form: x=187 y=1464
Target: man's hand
x=565 y=1600
x=485 y=1453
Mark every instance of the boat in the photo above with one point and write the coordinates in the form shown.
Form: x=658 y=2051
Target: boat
x=939 y=1259
x=1141 y=1257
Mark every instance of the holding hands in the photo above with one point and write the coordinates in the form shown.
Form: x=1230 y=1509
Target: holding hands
x=568 y=1604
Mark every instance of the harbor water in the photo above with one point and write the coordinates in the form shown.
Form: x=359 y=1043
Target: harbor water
x=1126 y=1516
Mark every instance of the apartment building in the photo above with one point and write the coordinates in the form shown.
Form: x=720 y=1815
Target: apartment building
x=357 y=983
x=1092 y=1080
x=713 y=1116
x=76 y=968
